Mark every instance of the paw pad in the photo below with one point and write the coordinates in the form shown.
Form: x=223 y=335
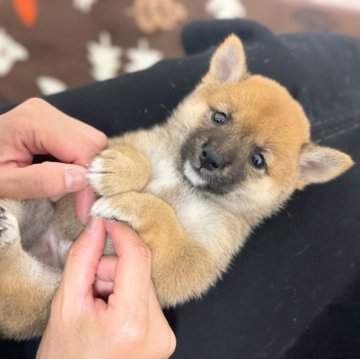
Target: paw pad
x=9 y=229
x=2 y=230
x=2 y=219
x=2 y=213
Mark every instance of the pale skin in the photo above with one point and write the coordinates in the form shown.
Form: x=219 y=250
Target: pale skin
x=36 y=128
x=105 y=307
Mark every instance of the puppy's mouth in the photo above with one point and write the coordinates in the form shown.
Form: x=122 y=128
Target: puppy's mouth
x=195 y=175
x=203 y=178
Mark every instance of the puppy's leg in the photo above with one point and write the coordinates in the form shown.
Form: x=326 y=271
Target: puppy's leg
x=26 y=286
x=118 y=169
x=182 y=267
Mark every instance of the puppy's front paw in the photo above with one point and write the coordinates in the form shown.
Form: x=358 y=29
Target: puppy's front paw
x=118 y=170
x=141 y=211
x=9 y=229
x=103 y=172
x=109 y=208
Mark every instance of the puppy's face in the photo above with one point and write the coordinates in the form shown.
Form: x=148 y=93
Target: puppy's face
x=246 y=140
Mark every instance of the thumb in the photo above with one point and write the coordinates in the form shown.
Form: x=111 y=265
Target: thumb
x=47 y=179
x=81 y=265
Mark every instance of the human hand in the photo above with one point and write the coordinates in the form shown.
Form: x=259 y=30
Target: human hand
x=128 y=323
x=35 y=127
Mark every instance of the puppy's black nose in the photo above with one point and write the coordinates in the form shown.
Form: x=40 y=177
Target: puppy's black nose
x=210 y=158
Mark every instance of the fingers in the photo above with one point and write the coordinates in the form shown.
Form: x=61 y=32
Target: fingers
x=166 y=343
x=48 y=179
x=103 y=289
x=81 y=265
x=105 y=275
x=35 y=127
x=46 y=130
x=107 y=268
x=83 y=201
x=133 y=272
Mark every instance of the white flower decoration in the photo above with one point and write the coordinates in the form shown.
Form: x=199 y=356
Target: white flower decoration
x=50 y=85
x=10 y=52
x=142 y=56
x=104 y=57
x=84 y=5
x=225 y=9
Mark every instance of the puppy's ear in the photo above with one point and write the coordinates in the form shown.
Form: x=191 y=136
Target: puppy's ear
x=228 y=64
x=321 y=164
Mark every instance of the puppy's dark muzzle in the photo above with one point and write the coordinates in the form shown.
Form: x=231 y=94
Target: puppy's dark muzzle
x=210 y=158
x=214 y=157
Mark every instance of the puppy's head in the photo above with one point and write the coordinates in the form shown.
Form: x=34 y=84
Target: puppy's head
x=246 y=139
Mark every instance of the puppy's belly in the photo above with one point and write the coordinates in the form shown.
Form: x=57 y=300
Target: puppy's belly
x=51 y=250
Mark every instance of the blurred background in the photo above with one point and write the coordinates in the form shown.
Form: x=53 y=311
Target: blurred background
x=47 y=46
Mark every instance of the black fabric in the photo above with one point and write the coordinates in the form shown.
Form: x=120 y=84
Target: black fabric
x=276 y=301
x=335 y=332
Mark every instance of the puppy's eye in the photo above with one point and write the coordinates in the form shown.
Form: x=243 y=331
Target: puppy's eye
x=219 y=118
x=258 y=160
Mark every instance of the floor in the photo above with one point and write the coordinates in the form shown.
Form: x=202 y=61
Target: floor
x=49 y=46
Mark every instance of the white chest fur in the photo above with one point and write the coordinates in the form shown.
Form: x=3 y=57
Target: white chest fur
x=200 y=217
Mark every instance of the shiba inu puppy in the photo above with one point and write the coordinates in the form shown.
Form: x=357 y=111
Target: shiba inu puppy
x=230 y=155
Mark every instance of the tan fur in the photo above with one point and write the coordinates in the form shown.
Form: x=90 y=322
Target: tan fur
x=26 y=285
x=133 y=173
x=147 y=178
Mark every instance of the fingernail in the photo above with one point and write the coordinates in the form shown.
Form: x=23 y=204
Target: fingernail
x=91 y=225
x=55 y=198
x=75 y=178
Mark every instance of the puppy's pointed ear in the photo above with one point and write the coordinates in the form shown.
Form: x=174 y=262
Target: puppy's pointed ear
x=321 y=164
x=228 y=64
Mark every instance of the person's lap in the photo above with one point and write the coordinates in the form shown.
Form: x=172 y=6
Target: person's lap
x=298 y=261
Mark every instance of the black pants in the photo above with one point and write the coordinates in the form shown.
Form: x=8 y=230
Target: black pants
x=294 y=290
